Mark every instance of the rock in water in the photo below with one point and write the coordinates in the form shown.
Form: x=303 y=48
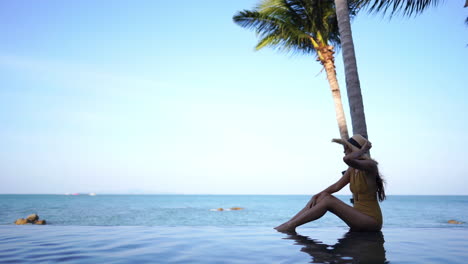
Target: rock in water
x=220 y=209
x=455 y=222
x=32 y=218
x=236 y=208
x=21 y=221
x=40 y=222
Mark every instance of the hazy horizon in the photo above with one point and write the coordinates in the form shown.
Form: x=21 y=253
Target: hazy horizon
x=208 y=194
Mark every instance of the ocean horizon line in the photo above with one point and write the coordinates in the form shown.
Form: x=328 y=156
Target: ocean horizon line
x=208 y=194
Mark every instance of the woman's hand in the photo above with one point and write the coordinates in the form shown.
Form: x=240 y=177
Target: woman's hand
x=367 y=146
x=313 y=201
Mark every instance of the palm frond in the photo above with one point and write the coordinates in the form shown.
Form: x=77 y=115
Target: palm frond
x=266 y=24
x=393 y=7
x=289 y=25
x=269 y=40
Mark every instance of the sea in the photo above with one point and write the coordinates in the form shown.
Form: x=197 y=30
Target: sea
x=224 y=229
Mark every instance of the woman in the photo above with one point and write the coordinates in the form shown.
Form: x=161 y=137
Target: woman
x=365 y=184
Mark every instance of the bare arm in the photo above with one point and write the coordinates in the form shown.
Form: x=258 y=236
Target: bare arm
x=332 y=188
x=339 y=184
x=352 y=159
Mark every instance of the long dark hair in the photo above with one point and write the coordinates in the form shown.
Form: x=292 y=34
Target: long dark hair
x=380 y=186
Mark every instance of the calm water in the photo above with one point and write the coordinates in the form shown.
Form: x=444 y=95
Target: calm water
x=184 y=229
x=195 y=210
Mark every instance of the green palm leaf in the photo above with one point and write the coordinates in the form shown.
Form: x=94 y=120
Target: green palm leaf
x=290 y=25
x=406 y=7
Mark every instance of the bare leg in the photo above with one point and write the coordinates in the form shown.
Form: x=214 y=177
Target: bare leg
x=352 y=217
x=299 y=214
x=286 y=226
x=312 y=213
x=305 y=209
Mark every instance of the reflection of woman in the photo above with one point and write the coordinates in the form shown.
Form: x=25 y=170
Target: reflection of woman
x=354 y=247
x=365 y=184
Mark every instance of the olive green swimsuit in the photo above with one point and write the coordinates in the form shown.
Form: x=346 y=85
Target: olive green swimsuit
x=365 y=200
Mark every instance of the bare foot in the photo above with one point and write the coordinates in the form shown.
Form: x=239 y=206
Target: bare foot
x=285 y=228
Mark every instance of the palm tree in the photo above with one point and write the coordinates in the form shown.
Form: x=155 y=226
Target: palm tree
x=302 y=26
x=353 y=87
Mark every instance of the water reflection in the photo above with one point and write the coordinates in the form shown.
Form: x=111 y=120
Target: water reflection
x=354 y=247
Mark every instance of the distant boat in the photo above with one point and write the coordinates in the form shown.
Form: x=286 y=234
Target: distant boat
x=92 y=194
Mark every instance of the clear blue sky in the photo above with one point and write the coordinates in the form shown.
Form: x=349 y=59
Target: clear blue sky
x=170 y=97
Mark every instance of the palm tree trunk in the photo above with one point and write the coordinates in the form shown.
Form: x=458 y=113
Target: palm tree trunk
x=335 y=89
x=353 y=86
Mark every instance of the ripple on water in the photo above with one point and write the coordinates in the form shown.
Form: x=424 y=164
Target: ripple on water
x=80 y=244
